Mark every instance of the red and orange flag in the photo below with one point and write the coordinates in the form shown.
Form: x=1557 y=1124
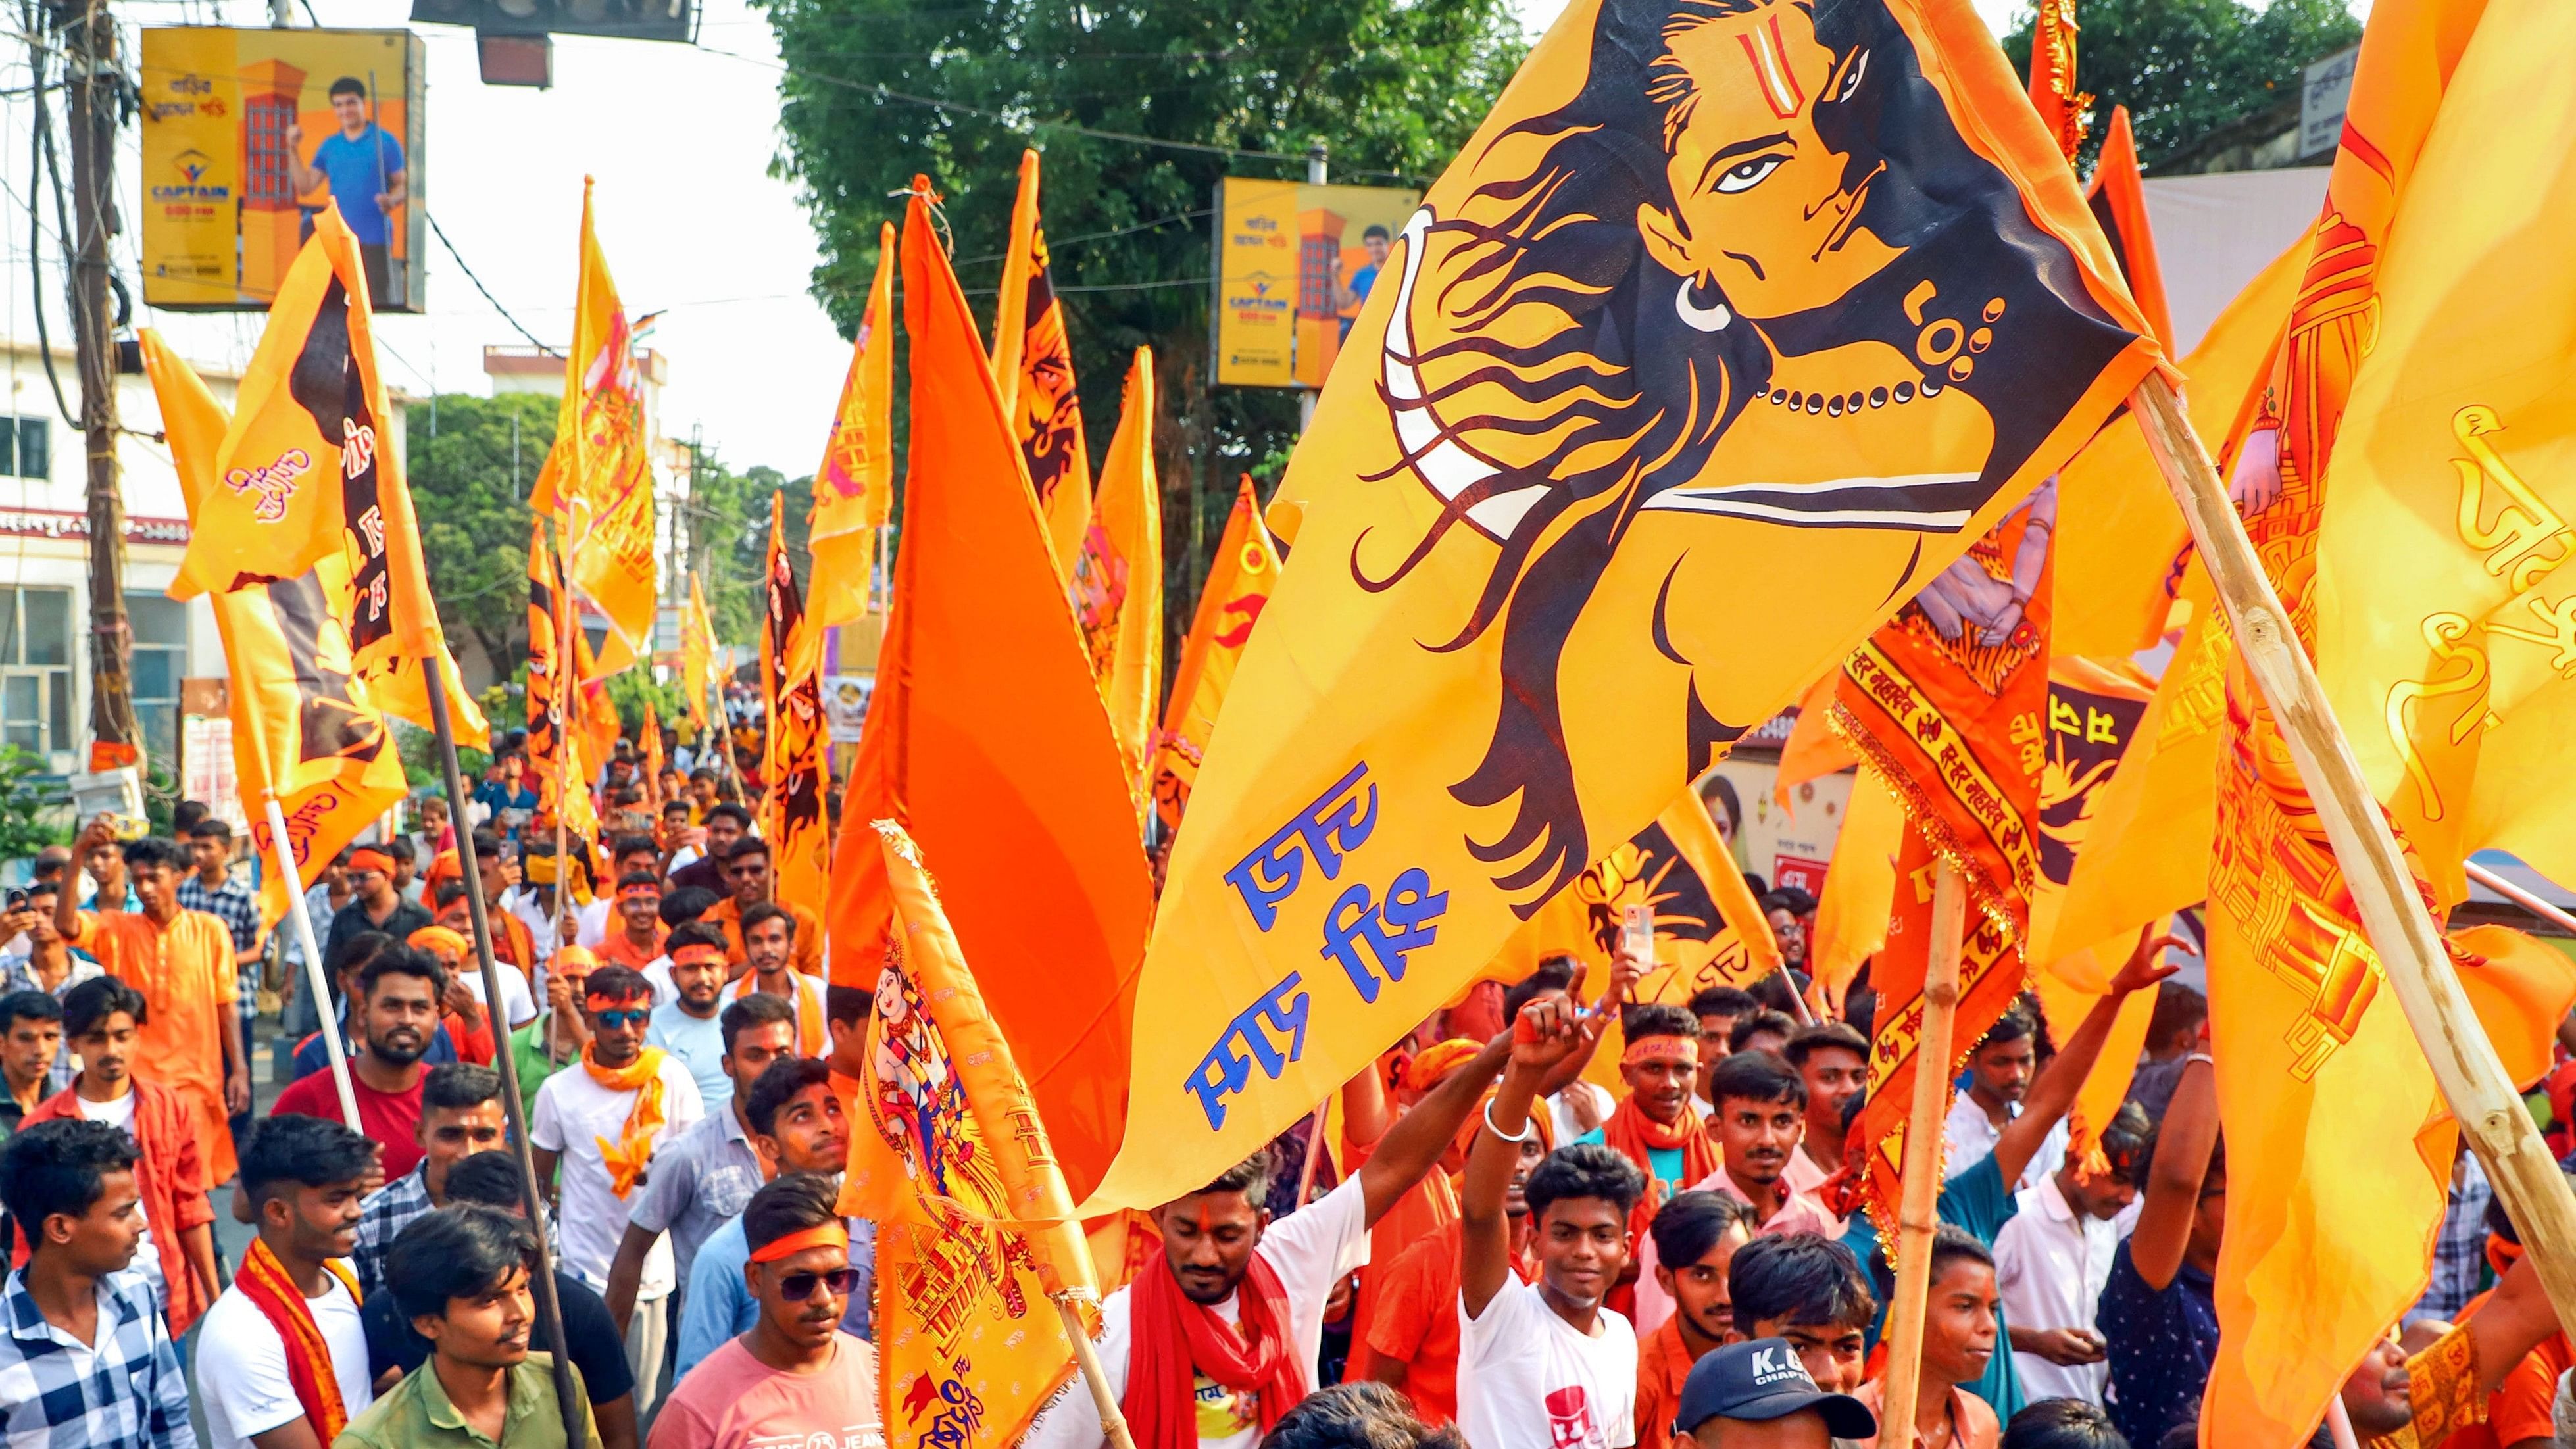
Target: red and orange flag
x=546 y=682
x=596 y=480
x=792 y=770
x=1033 y=363
x=856 y=477
x=1230 y=603
x=1651 y=324
x=1118 y=581
x=987 y=741
x=2118 y=195
x=2053 y=94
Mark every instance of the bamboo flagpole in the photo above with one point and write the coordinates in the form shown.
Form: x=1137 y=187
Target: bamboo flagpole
x=315 y=980
x=2402 y=932
x=541 y=1276
x=1918 y=1211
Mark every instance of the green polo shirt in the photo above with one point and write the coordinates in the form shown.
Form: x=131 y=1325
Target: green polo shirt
x=416 y=1414
x=528 y=1056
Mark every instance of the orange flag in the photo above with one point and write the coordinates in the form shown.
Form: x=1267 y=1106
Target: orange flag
x=857 y=471
x=1033 y=363
x=1118 y=581
x=2318 y=1062
x=546 y=683
x=986 y=739
x=2118 y=196
x=1600 y=376
x=593 y=712
x=2053 y=94
x=652 y=762
x=697 y=656
x=951 y=1161
x=1813 y=750
x=1230 y=602
x=596 y=480
x=1859 y=895
x=304 y=726
x=791 y=658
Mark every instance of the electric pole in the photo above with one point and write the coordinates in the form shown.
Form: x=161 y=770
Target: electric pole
x=96 y=87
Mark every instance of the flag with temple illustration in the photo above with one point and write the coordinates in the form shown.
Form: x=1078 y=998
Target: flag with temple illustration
x=857 y=470
x=791 y=661
x=951 y=1161
x=1033 y=364
x=304 y=725
x=596 y=480
x=1948 y=706
x=2053 y=94
x=2321 y=1063
x=1804 y=285
x=302 y=474
x=1230 y=603
x=697 y=656
x=1118 y=581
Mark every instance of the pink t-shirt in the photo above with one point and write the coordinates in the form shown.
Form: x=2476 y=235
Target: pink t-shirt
x=734 y=1401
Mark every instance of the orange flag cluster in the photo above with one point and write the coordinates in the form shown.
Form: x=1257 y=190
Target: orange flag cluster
x=792 y=766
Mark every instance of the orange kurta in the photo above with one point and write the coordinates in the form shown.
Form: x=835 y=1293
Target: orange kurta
x=185 y=972
x=1663 y=1363
x=1429 y=1208
x=617 y=949
x=804 y=954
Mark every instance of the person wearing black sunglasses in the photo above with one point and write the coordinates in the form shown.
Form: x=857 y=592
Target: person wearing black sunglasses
x=794 y=1376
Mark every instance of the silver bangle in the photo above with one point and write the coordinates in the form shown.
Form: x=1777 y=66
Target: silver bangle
x=2199 y=1057
x=1526 y=1126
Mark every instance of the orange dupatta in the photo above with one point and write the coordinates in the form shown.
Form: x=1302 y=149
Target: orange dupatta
x=263 y=1281
x=633 y=1150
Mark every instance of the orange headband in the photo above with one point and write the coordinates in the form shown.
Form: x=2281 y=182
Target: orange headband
x=628 y=893
x=828 y=1235
x=1661 y=1049
x=371 y=859
x=697 y=953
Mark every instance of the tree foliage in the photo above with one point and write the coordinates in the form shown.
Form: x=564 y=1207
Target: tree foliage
x=2185 y=68
x=1392 y=87
x=470 y=487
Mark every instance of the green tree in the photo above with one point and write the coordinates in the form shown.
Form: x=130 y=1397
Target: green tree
x=729 y=524
x=31 y=818
x=2185 y=68
x=878 y=90
x=470 y=475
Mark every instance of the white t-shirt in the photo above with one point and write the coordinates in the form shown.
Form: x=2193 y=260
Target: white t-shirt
x=590 y=923
x=1568 y=1125
x=573 y=1114
x=1968 y=1135
x=1527 y=1380
x=147 y=1258
x=241 y=1364
x=516 y=1003
x=1310 y=1250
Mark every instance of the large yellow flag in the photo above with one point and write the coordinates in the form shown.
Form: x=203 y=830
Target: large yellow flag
x=792 y=773
x=304 y=727
x=1230 y=603
x=2316 y=1062
x=951 y=1160
x=2445 y=637
x=1118 y=581
x=857 y=471
x=1033 y=363
x=1859 y=896
x=596 y=480
x=545 y=688
x=1712 y=299
x=697 y=655
x=986 y=739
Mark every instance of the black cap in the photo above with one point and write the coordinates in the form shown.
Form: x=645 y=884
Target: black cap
x=1761 y=1381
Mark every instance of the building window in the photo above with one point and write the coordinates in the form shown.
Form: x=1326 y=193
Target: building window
x=26 y=447
x=36 y=669
x=160 y=625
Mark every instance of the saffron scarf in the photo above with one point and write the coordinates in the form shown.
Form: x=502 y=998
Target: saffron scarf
x=263 y=1281
x=628 y=1156
x=1171 y=1335
x=1630 y=1132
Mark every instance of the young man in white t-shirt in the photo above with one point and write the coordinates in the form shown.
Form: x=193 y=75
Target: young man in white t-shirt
x=305 y=1177
x=1227 y=1270
x=1543 y=1365
x=586 y=1112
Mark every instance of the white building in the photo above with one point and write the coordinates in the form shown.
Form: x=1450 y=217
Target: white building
x=45 y=645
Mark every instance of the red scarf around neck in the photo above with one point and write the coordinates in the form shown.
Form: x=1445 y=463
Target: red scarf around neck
x=1630 y=1132
x=1170 y=1336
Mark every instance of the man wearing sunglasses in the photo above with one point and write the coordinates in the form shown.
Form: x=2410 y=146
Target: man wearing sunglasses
x=794 y=1377
x=599 y=1126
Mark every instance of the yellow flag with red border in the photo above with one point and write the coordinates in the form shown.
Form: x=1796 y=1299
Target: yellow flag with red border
x=596 y=480
x=697 y=656
x=1033 y=363
x=792 y=771
x=857 y=471
x=1118 y=581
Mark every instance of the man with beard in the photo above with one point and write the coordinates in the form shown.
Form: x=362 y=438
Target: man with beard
x=686 y=1025
x=747 y=874
x=1217 y=1335
x=460 y=1115
x=794 y=1376
x=703 y=864
x=702 y=1177
x=797 y=1126
x=773 y=937
x=1413 y=1335
x=1761 y=1113
x=398 y=1012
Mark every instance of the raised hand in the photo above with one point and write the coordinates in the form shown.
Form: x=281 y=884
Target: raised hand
x=2146 y=964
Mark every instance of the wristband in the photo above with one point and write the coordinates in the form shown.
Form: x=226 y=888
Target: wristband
x=2201 y=1057
x=1526 y=1127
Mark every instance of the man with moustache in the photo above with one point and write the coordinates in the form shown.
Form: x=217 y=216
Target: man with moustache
x=460 y=1115
x=398 y=995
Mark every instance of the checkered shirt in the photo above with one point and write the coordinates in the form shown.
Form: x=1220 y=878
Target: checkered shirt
x=18 y=973
x=2460 y=1252
x=233 y=903
x=382 y=1217
x=61 y=1394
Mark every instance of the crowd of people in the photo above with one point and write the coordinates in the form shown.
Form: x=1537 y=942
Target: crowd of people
x=1499 y=1251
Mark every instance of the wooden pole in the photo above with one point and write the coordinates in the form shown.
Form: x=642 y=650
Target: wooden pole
x=1087 y=1359
x=1918 y=1210
x=1314 y=1152
x=2409 y=944
x=541 y=1276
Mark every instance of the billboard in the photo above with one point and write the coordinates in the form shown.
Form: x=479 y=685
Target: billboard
x=1294 y=262
x=625 y=19
x=248 y=134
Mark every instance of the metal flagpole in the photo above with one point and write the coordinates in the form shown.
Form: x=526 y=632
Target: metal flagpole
x=541 y=1277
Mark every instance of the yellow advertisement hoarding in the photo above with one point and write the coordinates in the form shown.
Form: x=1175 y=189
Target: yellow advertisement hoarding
x=248 y=134
x=1294 y=262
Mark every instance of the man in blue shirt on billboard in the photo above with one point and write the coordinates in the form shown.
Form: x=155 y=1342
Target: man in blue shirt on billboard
x=364 y=165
